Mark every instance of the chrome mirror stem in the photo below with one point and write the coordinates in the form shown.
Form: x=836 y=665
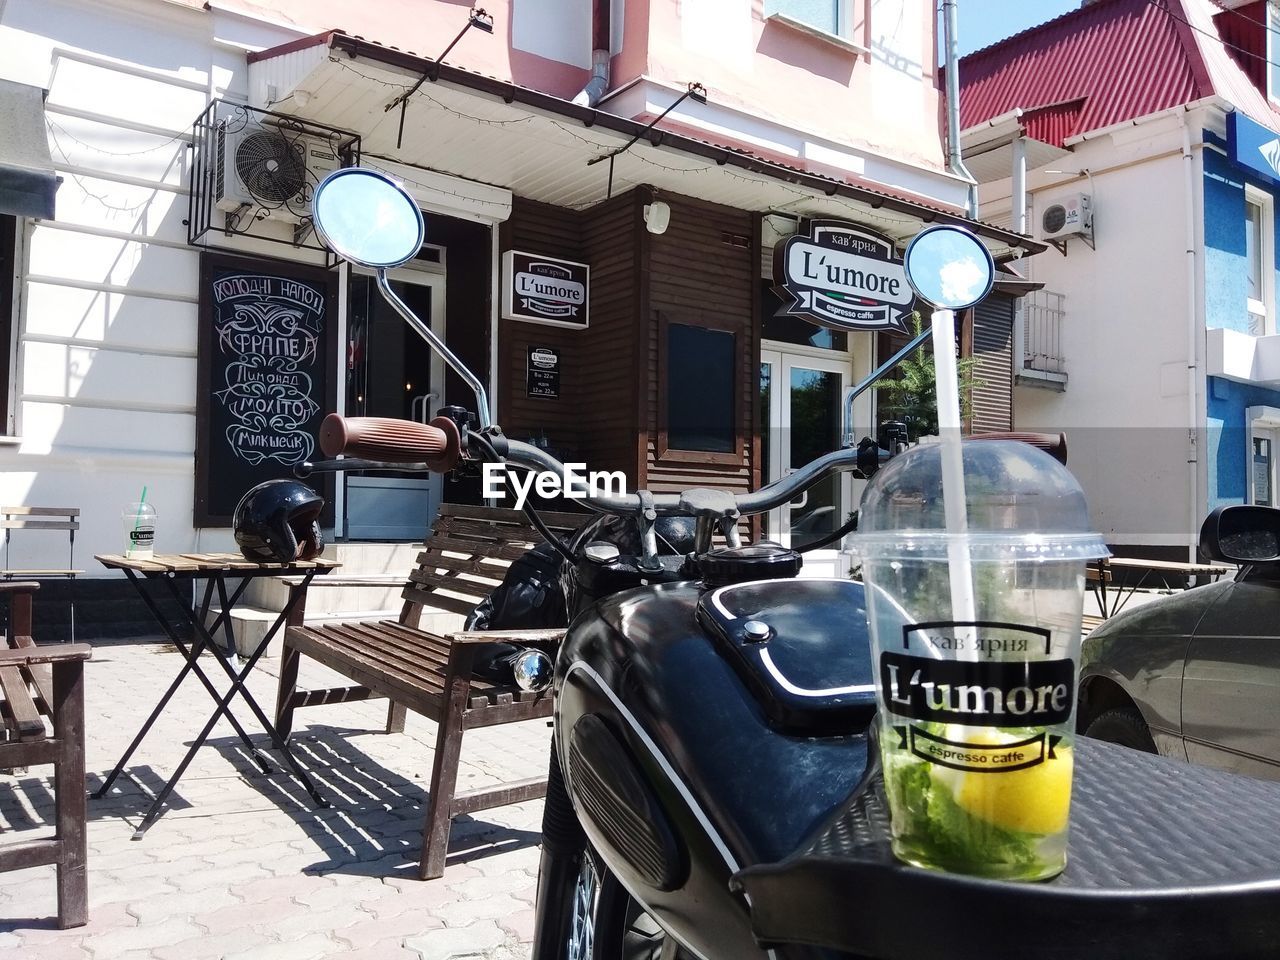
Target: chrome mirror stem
x=429 y=335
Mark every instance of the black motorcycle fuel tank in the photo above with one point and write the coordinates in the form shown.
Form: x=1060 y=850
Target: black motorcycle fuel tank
x=702 y=731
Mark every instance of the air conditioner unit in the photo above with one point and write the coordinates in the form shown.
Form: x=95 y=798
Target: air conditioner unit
x=268 y=170
x=1068 y=217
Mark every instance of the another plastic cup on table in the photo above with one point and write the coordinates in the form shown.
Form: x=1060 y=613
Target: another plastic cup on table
x=139 y=531
x=977 y=717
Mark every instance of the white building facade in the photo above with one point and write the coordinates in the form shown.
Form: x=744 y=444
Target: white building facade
x=109 y=387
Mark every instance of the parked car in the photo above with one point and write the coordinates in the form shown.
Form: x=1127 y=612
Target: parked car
x=1196 y=675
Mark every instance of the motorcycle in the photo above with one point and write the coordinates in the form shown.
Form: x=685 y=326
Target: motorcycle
x=714 y=788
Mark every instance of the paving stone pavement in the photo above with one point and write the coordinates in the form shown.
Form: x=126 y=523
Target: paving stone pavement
x=240 y=866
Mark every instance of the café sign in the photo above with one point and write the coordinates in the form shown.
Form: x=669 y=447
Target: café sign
x=843 y=276
x=544 y=289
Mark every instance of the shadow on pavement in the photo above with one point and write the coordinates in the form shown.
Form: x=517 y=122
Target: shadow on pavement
x=372 y=826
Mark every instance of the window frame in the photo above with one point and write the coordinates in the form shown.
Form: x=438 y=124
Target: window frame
x=844 y=19
x=1261 y=423
x=11 y=237
x=1264 y=308
x=664 y=452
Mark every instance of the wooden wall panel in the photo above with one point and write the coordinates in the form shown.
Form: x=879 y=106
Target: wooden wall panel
x=704 y=270
x=556 y=232
x=609 y=419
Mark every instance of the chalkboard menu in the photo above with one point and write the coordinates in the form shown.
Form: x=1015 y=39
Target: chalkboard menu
x=266 y=377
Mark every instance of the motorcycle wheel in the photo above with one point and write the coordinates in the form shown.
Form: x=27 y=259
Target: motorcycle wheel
x=606 y=923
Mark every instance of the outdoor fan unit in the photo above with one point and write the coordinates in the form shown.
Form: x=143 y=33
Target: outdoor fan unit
x=269 y=171
x=1068 y=217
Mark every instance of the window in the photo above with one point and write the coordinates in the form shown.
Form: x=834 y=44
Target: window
x=1259 y=262
x=700 y=411
x=829 y=16
x=8 y=279
x=1263 y=495
x=1263 y=432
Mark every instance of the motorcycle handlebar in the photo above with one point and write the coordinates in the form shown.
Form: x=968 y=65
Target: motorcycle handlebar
x=436 y=444
x=689 y=501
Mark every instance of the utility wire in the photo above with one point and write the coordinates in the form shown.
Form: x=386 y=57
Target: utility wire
x=1212 y=35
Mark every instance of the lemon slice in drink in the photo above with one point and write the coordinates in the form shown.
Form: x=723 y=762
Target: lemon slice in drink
x=1032 y=800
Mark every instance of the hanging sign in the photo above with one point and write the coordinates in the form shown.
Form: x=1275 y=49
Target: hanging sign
x=843 y=276
x=542 y=373
x=544 y=289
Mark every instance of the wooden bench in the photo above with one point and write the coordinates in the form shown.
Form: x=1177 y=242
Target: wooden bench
x=465 y=557
x=39 y=683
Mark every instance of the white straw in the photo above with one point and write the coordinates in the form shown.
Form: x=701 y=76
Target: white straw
x=953 y=495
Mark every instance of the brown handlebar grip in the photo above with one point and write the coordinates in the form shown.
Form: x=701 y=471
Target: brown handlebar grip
x=1054 y=444
x=437 y=444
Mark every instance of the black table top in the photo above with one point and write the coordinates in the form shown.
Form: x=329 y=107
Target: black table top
x=1165 y=860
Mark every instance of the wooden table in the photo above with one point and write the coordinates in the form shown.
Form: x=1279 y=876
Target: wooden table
x=1107 y=567
x=213 y=570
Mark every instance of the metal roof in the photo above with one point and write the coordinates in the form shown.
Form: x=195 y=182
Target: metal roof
x=1096 y=66
x=496 y=132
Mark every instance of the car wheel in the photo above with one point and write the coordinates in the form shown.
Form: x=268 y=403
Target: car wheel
x=1124 y=726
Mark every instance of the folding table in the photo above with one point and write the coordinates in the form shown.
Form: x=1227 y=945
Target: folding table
x=205 y=576
x=1162 y=570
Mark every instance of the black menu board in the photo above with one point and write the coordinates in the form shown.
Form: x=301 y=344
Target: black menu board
x=266 y=377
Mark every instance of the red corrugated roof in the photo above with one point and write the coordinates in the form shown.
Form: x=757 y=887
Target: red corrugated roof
x=1096 y=66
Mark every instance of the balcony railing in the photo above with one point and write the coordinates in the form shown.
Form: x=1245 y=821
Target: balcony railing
x=1042 y=314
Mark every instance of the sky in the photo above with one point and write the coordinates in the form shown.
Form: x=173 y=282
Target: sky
x=983 y=22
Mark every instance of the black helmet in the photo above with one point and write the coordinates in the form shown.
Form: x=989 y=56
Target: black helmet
x=279 y=521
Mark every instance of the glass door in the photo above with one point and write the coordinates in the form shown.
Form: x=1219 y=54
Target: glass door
x=801 y=408
x=391 y=372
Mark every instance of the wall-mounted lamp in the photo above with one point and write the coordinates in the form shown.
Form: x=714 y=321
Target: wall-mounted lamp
x=657 y=216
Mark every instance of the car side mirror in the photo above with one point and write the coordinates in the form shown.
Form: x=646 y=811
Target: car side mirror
x=1241 y=533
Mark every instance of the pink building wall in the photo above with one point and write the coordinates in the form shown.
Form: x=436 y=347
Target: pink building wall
x=885 y=100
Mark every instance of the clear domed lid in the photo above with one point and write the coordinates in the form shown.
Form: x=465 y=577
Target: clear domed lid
x=1020 y=503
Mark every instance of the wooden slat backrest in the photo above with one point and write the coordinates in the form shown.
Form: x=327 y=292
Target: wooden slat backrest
x=36 y=519
x=468 y=553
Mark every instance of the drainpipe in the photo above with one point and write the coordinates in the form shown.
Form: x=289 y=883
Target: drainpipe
x=1193 y=365
x=951 y=53
x=596 y=87
x=1019 y=223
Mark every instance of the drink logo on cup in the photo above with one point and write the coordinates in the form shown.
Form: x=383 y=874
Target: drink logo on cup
x=978 y=757
x=142 y=535
x=984 y=692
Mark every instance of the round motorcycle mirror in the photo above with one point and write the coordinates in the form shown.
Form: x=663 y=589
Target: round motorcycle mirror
x=949 y=267
x=367 y=218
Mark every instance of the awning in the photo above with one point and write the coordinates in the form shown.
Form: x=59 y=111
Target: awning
x=541 y=148
x=27 y=181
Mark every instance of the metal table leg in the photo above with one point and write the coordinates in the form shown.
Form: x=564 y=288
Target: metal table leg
x=237 y=686
x=191 y=655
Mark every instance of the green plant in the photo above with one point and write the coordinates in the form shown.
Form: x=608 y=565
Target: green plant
x=912 y=396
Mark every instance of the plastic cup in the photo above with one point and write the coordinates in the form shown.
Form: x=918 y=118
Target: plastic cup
x=139 y=521
x=977 y=716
